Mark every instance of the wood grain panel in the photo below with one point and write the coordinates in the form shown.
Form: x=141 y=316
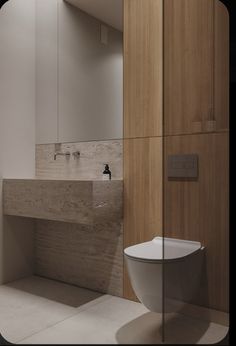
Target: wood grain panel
x=143 y=68
x=221 y=66
x=199 y=210
x=189 y=67
x=142 y=194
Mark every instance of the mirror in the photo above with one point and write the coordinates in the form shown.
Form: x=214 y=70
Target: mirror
x=79 y=70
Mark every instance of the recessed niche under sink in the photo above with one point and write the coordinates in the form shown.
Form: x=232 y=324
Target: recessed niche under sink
x=78 y=201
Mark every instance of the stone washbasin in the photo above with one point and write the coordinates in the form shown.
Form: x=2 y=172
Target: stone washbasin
x=79 y=201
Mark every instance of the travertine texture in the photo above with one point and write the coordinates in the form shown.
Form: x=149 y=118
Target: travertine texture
x=89 y=165
x=87 y=249
x=87 y=256
x=53 y=200
x=107 y=201
x=84 y=202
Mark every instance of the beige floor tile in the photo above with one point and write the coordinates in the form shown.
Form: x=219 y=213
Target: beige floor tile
x=87 y=328
x=80 y=329
x=41 y=311
x=23 y=313
x=214 y=334
x=55 y=291
x=181 y=329
x=90 y=327
x=118 y=310
x=115 y=320
x=145 y=329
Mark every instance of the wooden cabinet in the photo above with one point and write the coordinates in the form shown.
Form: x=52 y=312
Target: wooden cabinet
x=143 y=68
x=79 y=80
x=221 y=83
x=176 y=95
x=196 y=64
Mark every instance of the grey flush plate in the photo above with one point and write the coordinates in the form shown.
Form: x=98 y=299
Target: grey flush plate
x=183 y=166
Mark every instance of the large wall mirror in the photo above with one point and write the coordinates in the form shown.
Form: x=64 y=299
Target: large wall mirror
x=79 y=70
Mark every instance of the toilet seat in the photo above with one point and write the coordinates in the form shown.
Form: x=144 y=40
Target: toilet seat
x=163 y=250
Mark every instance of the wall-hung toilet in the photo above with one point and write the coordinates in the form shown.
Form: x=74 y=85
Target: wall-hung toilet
x=165 y=270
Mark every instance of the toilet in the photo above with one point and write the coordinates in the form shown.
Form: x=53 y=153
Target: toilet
x=165 y=273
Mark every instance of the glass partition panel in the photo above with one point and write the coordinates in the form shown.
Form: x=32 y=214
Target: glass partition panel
x=196 y=170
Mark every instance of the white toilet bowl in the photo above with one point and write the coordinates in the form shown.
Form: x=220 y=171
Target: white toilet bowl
x=165 y=273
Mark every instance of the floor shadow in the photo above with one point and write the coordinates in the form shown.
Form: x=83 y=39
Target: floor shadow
x=53 y=290
x=146 y=329
x=181 y=329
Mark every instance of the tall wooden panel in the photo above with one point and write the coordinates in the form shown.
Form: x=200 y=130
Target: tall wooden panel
x=194 y=60
x=221 y=66
x=143 y=114
x=142 y=194
x=189 y=65
x=199 y=210
x=143 y=68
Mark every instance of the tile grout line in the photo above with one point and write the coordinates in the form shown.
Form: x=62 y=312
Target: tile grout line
x=79 y=310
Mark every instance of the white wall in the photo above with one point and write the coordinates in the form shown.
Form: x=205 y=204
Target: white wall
x=46 y=71
x=17 y=127
x=108 y=11
x=89 y=103
x=17 y=88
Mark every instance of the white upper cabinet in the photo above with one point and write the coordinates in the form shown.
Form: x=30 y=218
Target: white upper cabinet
x=79 y=76
x=46 y=71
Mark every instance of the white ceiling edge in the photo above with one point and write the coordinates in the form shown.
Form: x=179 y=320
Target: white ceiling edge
x=108 y=11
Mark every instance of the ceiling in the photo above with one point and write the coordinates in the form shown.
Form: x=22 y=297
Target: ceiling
x=108 y=11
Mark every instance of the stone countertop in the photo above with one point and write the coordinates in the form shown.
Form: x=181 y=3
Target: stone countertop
x=78 y=201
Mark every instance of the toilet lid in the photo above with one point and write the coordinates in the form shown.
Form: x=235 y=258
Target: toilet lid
x=163 y=248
